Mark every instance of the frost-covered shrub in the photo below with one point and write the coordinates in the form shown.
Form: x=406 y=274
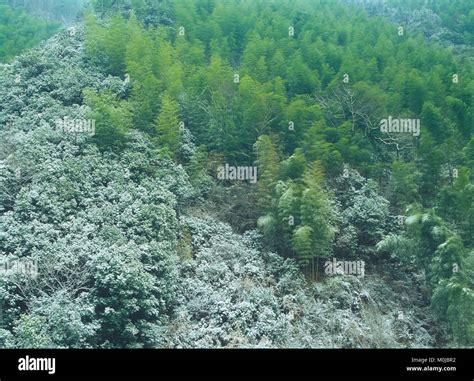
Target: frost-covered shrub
x=56 y=321
x=123 y=262
x=102 y=230
x=363 y=216
x=234 y=295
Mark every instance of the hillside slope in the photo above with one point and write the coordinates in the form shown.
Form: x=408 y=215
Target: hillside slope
x=122 y=260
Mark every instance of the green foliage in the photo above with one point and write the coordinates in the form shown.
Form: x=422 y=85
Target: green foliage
x=404 y=183
x=456 y=205
x=56 y=320
x=299 y=218
x=128 y=216
x=453 y=300
x=112 y=117
x=108 y=48
x=304 y=244
x=268 y=164
x=167 y=126
x=20 y=31
x=363 y=216
x=235 y=80
x=447 y=265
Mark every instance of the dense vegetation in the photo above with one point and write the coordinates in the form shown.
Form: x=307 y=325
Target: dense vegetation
x=451 y=23
x=457 y=16
x=63 y=11
x=20 y=31
x=138 y=242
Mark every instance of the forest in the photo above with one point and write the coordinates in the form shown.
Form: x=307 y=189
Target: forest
x=244 y=173
x=20 y=31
